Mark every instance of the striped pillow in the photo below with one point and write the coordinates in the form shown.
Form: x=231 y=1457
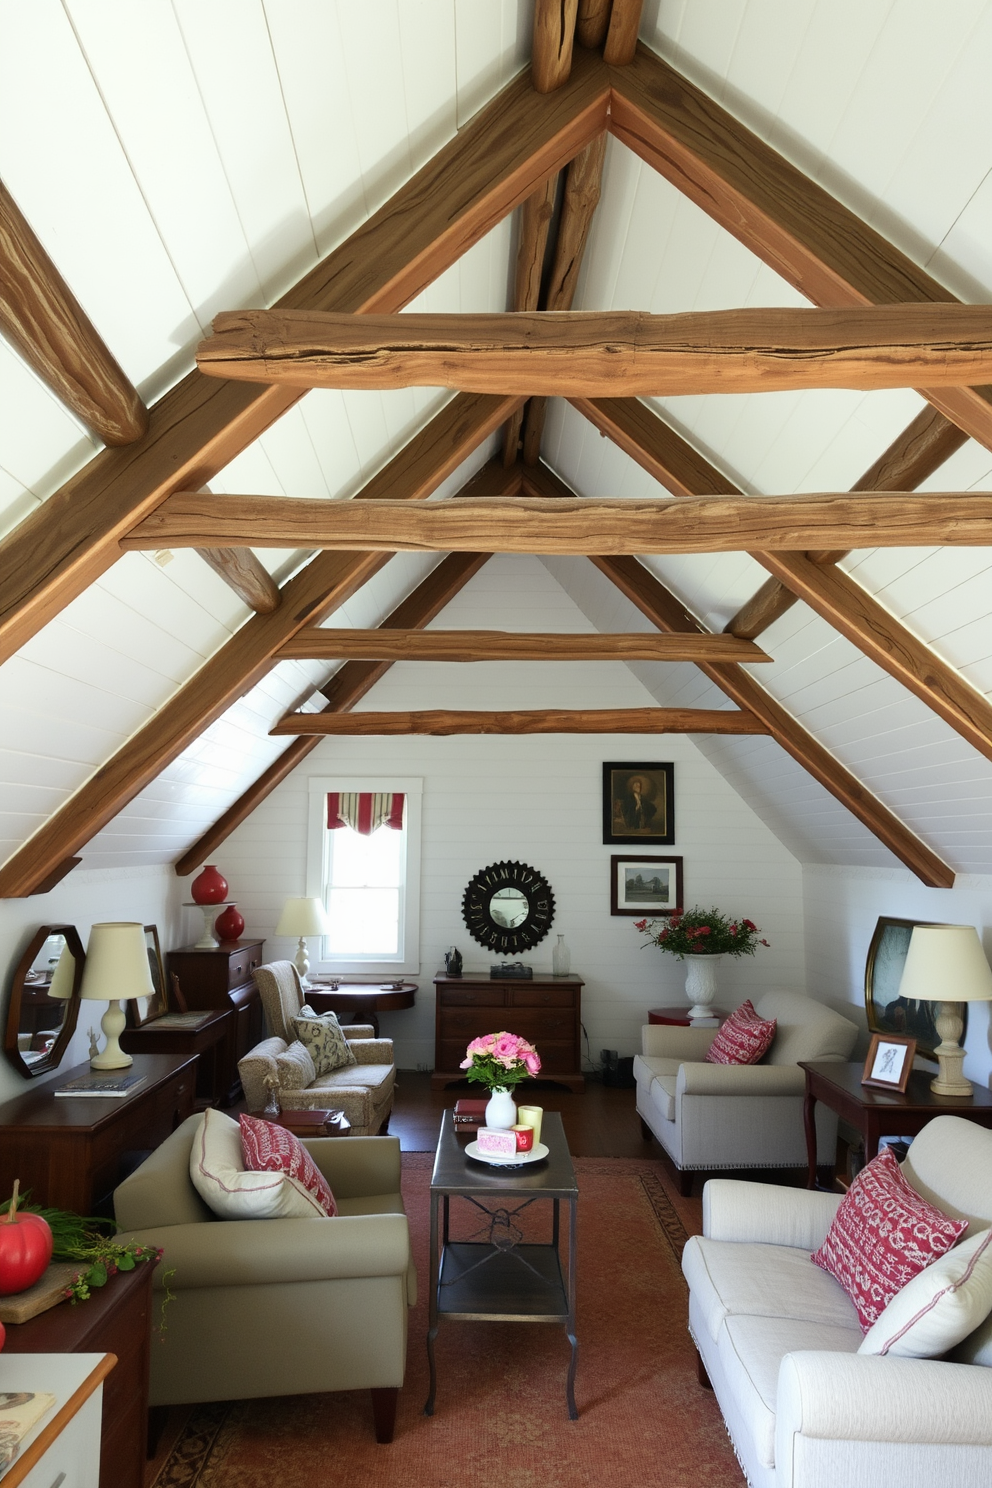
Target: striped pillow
x=743 y=1038
x=939 y=1307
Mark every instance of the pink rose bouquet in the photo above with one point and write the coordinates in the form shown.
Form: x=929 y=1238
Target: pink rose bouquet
x=500 y=1060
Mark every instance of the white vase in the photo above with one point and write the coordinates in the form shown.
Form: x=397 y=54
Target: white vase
x=700 y=984
x=501 y=1111
x=561 y=959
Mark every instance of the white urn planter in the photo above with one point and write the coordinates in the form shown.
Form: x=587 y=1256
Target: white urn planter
x=700 y=984
x=501 y=1110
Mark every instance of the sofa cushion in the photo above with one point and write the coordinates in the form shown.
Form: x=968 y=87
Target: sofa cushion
x=661 y=1096
x=324 y=1040
x=377 y=1077
x=883 y=1234
x=939 y=1307
x=763 y=1281
x=742 y=1038
x=751 y=1351
x=268 y=1147
x=295 y=1070
x=218 y=1173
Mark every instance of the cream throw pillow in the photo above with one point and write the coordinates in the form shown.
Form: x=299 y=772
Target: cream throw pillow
x=294 y=1068
x=218 y=1173
x=939 y=1307
x=324 y=1040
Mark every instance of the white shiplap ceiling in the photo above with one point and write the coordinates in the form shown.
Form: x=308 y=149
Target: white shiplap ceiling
x=181 y=157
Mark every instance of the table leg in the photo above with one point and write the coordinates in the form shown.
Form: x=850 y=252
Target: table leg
x=573 y=1414
x=432 y=1318
x=872 y=1132
x=810 y=1127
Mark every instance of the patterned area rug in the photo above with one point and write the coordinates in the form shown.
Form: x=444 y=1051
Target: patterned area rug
x=501 y=1417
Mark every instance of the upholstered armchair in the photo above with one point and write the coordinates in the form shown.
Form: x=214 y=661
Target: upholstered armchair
x=363 y=1091
x=278 y=1306
x=717 y=1116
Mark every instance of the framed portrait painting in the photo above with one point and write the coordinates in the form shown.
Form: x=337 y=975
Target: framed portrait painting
x=645 y=886
x=639 y=803
x=885 y=1010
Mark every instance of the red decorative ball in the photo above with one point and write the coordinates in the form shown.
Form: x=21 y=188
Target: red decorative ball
x=209 y=887
x=229 y=923
x=25 y=1251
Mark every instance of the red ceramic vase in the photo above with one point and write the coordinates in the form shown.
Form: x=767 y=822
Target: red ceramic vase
x=209 y=887
x=229 y=924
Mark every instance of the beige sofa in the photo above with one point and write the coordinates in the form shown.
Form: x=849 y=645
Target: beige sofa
x=712 y=1116
x=778 y=1339
x=363 y=1091
x=277 y=1306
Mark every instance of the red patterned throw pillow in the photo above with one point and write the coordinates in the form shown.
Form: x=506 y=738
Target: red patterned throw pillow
x=742 y=1038
x=269 y=1148
x=883 y=1234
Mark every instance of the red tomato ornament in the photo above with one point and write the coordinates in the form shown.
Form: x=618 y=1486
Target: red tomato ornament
x=25 y=1248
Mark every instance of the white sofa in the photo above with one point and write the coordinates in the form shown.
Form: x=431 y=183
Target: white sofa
x=778 y=1339
x=712 y=1116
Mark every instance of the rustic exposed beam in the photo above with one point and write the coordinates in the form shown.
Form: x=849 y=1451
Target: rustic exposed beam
x=593 y=354
x=583 y=181
x=592 y=23
x=535 y=219
x=534 y=721
x=668 y=457
x=41 y=317
x=915 y=454
x=349 y=683
x=246 y=575
x=503 y=645
x=494 y=162
x=540 y=480
x=494 y=479
x=821 y=247
x=621 y=40
x=689 y=524
x=554 y=35
x=666 y=612
x=328 y=581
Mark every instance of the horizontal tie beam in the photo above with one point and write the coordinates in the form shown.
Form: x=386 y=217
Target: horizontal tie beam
x=533 y=721
x=498 y=645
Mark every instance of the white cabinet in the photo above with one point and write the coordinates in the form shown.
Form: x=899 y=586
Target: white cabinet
x=63 y=1449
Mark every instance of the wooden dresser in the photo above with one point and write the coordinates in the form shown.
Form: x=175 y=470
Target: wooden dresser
x=547 y=1010
x=222 y=977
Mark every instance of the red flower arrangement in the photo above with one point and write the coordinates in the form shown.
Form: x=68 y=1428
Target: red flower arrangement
x=702 y=932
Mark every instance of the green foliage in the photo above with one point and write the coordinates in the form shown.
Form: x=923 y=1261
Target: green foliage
x=702 y=932
x=91 y=1242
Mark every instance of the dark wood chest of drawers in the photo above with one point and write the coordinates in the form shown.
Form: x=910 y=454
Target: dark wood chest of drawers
x=223 y=978
x=546 y=1010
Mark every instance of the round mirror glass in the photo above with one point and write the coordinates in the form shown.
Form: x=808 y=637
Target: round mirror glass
x=509 y=908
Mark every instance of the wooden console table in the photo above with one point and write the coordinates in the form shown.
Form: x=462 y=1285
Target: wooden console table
x=360 y=1004
x=547 y=1010
x=878 y=1113
x=69 y=1152
x=222 y=976
x=210 y=1044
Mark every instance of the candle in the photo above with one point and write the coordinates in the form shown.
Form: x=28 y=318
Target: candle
x=531 y=1116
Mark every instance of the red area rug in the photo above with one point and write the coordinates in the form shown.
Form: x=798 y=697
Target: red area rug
x=500 y=1420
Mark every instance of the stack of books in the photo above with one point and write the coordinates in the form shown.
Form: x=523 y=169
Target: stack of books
x=101 y=1085
x=469 y=1115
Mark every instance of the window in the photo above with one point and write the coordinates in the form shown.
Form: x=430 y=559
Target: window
x=369 y=884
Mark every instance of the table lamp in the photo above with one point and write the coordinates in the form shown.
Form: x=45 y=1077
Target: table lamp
x=116 y=969
x=303 y=917
x=946 y=964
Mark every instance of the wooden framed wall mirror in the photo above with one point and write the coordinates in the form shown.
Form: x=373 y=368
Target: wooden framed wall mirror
x=142 y=1010
x=44 y=1000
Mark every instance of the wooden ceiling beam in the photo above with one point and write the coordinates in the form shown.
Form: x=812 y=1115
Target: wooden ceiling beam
x=493 y=164
x=915 y=454
x=554 y=36
x=41 y=317
x=502 y=645
x=682 y=524
x=327 y=582
x=592 y=23
x=591 y=354
x=662 y=608
x=442 y=721
x=348 y=685
x=246 y=575
x=833 y=594
x=535 y=220
x=796 y=227
x=540 y=480
x=621 y=40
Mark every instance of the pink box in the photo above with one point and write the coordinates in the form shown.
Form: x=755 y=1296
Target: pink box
x=496 y=1143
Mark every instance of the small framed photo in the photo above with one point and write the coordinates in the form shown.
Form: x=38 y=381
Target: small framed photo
x=890 y=1059
x=639 y=803
x=645 y=886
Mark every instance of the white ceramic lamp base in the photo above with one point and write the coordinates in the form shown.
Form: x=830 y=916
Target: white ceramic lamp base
x=113 y=1056
x=302 y=960
x=950 y=1055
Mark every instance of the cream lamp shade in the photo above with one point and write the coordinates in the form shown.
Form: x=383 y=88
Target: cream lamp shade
x=63 y=977
x=946 y=964
x=116 y=970
x=303 y=917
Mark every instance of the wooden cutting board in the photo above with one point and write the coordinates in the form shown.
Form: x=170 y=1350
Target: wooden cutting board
x=46 y=1293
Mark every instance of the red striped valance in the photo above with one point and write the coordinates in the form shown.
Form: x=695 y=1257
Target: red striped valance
x=365 y=811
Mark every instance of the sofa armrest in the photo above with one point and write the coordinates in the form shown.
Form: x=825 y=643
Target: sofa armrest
x=357 y=1167
x=258 y=1252
x=741 y=1079
x=859 y=1397
x=767 y=1214
x=372 y=1050
x=669 y=1041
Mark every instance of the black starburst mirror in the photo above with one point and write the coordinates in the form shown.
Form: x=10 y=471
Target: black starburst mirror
x=508 y=907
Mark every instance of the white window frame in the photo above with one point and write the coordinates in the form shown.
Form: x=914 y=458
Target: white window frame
x=407 y=960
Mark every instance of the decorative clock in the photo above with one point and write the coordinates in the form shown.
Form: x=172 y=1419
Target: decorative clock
x=508 y=907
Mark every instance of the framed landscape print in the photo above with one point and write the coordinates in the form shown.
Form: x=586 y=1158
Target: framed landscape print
x=885 y=1010
x=639 y=803
x=645 y=886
